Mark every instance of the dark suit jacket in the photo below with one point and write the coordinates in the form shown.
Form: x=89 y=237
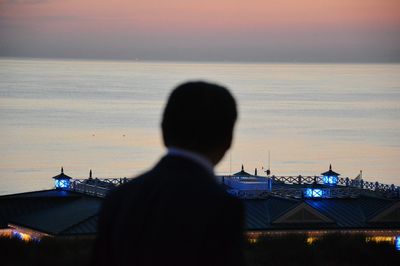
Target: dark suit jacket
x=175 y=214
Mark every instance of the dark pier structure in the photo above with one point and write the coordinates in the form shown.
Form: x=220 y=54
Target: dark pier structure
x=275 y=205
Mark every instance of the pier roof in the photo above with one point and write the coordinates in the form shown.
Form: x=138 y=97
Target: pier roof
x=351 y=213
x=242 y=172
x=330 y=172
x=58 y=220
x=51 y=212
x=353 y=204
x=61 y=175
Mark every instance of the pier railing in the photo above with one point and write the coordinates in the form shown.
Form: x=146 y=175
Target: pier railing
x=297 y=193
x=98 y=187
x=343 y=182
x=346 y=188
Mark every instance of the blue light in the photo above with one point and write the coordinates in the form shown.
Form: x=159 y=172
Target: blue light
x=61 y=183
x=314 y=193
x=24 y=237
x=330 y=180
x=397 y=243
x=17 y=235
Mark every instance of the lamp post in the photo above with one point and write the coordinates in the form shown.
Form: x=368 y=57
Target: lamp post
x=330 y=178
x=61 y=181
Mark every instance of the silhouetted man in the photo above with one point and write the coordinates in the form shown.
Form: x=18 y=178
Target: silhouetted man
x=176 y=213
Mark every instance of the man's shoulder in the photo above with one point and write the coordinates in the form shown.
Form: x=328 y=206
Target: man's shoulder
x=174 y=178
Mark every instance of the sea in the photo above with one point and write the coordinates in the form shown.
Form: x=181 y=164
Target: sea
x=104 y=116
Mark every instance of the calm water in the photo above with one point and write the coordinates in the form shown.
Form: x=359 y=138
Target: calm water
x=105 y=116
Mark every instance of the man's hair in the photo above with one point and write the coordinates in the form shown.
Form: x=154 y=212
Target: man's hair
x=199 y=116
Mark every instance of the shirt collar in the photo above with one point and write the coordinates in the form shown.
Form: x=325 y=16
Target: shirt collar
x=193 y=156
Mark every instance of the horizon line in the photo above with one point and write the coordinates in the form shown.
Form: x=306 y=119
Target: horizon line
x=205 y=61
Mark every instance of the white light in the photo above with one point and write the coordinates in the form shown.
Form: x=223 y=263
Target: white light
x=314 y=193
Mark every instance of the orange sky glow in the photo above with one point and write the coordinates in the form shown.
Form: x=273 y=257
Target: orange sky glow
x=182 y=18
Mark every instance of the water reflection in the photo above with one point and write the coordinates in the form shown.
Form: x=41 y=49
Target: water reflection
x=106 y=116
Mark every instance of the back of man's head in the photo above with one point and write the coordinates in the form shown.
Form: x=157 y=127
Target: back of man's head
x=199 y=116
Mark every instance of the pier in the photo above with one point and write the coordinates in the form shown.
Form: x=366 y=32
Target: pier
x=286 y=204
x=253 y=187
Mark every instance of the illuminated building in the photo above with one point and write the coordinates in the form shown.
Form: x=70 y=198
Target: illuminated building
x=311 y=205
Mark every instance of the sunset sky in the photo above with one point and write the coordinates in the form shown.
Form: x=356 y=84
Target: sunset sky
x=203 y=30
